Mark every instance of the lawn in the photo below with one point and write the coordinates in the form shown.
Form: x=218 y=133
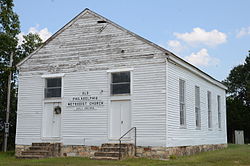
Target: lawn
x=234 y=155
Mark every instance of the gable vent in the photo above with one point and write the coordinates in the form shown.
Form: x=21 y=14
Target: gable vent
x=101 y=21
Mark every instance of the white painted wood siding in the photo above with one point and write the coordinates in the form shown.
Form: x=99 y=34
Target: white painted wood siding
x=91 y=127
x=148 y=104
x=81 y=47
x=30 y=106
x=84 y=55
x=84 y=51
x=178 y=136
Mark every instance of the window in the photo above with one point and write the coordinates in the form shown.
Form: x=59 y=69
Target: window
x=197 y=107
x=219 y=111
x=209 y=109
x=120 y=83
x=53 y=87
x=182 y=102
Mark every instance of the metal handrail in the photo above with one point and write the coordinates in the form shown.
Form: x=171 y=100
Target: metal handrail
x=120 y=141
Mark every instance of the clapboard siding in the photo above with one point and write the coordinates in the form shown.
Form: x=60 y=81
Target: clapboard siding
x=177 y=136
x=86 y=125
x=29 y=115
x=84 y=51
x=84 y=54
x=89 y=49
x=148 y=109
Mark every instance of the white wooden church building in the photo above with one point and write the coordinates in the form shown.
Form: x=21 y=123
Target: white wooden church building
x=93 y=80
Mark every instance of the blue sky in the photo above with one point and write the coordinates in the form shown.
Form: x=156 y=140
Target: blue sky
x=214 y=35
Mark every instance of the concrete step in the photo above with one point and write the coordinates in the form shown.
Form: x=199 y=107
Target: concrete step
x=35 y=152
x=112 y=149
x=41 y=144
x=104 y=158
x=31 y=157
x=39 y=148
x=42 y=150
x=117 y=145
x=108 y=154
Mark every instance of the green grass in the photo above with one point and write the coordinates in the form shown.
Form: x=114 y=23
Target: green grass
x=234 y=155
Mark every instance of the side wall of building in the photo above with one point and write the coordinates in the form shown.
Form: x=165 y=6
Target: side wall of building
x=190 y=134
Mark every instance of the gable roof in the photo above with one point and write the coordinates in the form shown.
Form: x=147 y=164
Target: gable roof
x=169 y=55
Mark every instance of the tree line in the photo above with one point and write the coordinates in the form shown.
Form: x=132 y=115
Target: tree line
x=238 y=100
x=238 y=81
x=9 y=44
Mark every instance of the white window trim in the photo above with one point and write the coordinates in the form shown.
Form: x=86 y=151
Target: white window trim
x=198 y=107
x=117 y=71
x=183 y=126
x=57 y=75
x=210 y=118
x=53 y=75
x=219 y=111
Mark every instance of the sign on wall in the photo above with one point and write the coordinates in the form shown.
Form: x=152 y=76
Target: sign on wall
x=85 y=102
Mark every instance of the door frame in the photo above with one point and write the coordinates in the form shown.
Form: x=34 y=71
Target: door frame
x=43 y=126
x=119 y=98
x=52 y=100
x=110 y=120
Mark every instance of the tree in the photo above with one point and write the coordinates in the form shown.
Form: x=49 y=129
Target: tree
x=31 y=42
x=238 y=82
x=9 y=29
x=238 y=100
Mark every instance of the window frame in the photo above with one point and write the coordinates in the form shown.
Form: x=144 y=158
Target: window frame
x=57 y=75
x=197 y=108
x=209 y=108
x=219 y=110
x=121 y=96
x=46 y=88
x=182 y=103
x=119 y=83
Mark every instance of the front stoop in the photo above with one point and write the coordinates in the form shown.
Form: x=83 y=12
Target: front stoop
x=41 y=150
x=110 y=151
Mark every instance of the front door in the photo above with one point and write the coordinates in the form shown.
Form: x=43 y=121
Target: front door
x=52 y=120
x=120 y=118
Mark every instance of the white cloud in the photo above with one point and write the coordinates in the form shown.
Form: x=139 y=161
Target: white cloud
x=43 y=33
x=175 y=46
x=243 y=32
x=200 y=36
x=20 y=38
x=202 y=58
